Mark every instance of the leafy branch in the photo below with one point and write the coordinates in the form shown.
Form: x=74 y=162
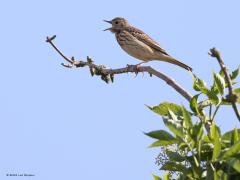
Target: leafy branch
x=188 y=152
x=231 y=96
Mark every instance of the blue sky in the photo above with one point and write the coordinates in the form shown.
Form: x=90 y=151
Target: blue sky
x=59 y=123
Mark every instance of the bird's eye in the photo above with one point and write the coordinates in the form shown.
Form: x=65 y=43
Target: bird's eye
x=116 y=22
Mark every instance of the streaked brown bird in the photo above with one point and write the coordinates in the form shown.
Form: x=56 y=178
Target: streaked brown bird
x=138 y=44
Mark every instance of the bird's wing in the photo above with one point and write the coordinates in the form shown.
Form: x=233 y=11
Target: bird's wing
x=141 y=36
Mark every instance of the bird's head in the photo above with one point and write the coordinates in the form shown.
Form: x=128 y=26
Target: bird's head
x=118 y=24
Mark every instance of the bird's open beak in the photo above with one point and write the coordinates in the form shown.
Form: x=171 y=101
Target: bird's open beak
x=110 y=22
x=108 y=29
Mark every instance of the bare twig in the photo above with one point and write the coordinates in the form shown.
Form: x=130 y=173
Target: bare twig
x=107 y=74
x=231 y=96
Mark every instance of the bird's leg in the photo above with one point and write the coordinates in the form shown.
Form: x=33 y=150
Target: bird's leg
x=137 y=66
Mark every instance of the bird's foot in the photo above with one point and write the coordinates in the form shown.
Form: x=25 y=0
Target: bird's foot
x=134 y=68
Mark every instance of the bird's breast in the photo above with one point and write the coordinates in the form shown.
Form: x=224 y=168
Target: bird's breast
x=134 y=47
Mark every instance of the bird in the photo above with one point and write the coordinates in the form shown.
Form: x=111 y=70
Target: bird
x=138 y=44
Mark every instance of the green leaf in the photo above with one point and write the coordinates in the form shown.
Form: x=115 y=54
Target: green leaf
x=216 y=139
x=210 y=172
x=199 y=85
x=226 y=144
x=237 y=92
x=228 y=135
x=156 y=177
x=174 y=126
x=216 y=175
x=166 y=176
x=193 y=104
x=162 y=143
x=161 y=135
x=213 y=97
x=221 y=175
x=230 y=138
x=182 y=146
x=206 y=139
x=235 y=137
x=162 y=109
x=174 y=156
x=207 y=147
x=173 y=166
x=164 y=138
x=219 y=83
x=235 y=73
x=187 y=121
x=173 y=116
x=235 y=163
x=200 y=130
x=221 y=73
x=232 y=151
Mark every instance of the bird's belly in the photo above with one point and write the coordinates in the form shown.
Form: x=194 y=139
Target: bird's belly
x=138 y=50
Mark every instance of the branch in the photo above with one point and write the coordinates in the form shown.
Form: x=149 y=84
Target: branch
x=231 y=96
x=107 y=74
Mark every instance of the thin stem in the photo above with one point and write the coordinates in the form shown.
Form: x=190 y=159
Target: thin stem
x=210 y=111
x=215 y=112
x=49 y=40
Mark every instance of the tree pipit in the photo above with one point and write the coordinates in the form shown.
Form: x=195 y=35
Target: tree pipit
x=139 y=45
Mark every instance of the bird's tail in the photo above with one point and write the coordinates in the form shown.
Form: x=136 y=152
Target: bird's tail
x=178 y=63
